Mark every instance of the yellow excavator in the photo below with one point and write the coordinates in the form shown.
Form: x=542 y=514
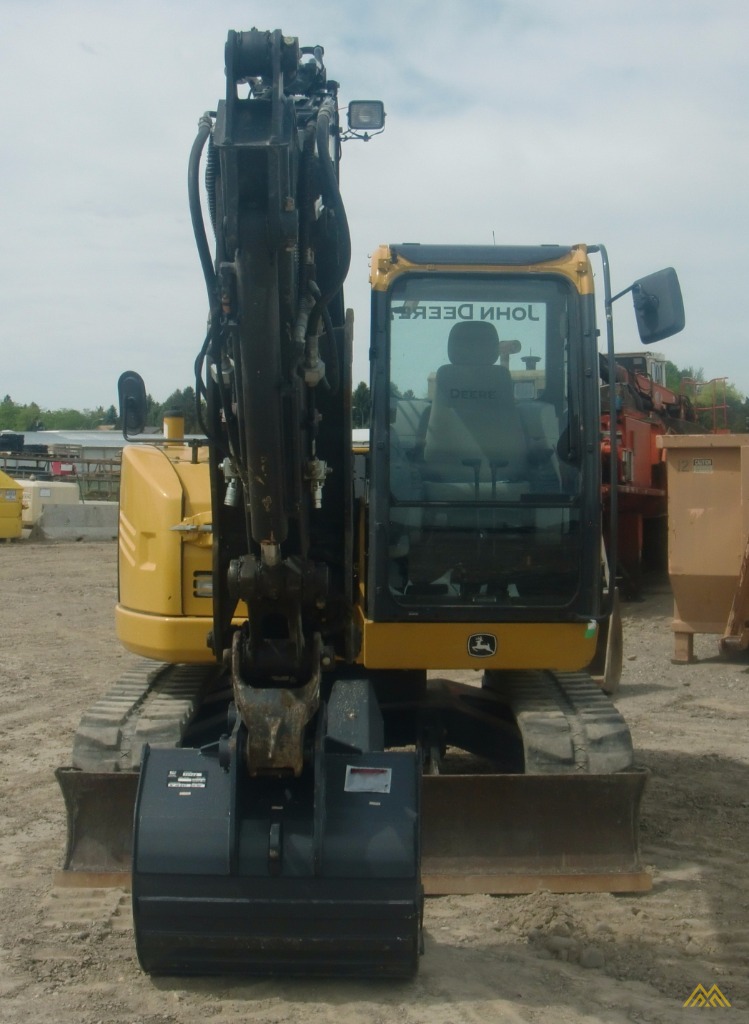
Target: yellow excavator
x=369 y=672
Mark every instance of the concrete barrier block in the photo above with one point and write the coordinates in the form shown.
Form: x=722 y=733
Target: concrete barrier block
x=89 y=521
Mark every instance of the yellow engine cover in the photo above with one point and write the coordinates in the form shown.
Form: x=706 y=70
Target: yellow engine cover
x=165 y=605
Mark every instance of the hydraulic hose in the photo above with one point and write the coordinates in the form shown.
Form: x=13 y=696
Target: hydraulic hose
x=205 y=125
x=333 y=196
x=332 y=366
x=200 y=389
x=210 y=180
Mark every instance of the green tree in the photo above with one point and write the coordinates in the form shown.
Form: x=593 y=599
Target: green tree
x=8 y=414
x=31 y=417
x=720 y=405
x=191 y=414
x=183 y=401
x=154 y=412
x=66 y=419
x=361 y=405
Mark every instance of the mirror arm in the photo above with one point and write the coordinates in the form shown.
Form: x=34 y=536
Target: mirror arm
x=613 y=475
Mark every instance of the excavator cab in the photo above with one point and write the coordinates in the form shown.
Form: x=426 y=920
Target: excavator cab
x=485 y=486
x=484 y=462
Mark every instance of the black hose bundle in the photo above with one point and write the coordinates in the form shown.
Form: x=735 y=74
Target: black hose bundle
x=205 y=127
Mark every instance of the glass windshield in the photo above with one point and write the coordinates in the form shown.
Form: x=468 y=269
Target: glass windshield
x=483 y=478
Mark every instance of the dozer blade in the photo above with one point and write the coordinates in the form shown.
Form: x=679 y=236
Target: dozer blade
x=498 y=834
x=99 y=808
x=506 y=834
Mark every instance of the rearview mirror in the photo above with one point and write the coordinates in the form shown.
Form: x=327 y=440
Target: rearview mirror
x=133 y=403
x=659 y=307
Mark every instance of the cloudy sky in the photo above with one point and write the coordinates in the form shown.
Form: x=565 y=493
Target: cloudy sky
x=615 y=121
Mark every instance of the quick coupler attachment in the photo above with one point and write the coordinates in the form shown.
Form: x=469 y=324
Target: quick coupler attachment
x=314 y=876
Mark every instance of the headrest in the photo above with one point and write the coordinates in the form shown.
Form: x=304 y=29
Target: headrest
x=473 y=343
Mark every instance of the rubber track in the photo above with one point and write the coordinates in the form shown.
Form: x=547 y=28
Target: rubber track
x=150 y=703
x=566 y=722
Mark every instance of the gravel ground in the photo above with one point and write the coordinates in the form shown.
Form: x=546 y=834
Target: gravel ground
x=68 y=955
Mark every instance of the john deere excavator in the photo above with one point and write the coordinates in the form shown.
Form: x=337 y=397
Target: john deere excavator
x=367 y=674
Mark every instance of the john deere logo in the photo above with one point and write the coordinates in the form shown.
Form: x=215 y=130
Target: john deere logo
x=707 y=997
x=482 y=645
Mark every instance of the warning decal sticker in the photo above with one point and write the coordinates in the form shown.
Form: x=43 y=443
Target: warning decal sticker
x=367 y=780
x=185 y=781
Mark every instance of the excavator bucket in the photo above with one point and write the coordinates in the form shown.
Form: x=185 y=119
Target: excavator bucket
x=99 y=808
x=506 y=834
x=315 y=875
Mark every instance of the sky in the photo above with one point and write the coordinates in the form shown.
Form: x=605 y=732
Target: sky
x=516 y=121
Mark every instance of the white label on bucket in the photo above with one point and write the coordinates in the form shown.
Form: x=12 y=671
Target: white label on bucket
x=186 y=781
x=702 y=465
x=367 y=780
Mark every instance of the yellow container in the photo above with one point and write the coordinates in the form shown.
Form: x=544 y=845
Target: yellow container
x=708 y=528
x=11 y=505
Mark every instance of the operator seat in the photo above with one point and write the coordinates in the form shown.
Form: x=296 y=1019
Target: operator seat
x=475 y=442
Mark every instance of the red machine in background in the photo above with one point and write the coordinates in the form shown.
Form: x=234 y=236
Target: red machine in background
x=645 y=409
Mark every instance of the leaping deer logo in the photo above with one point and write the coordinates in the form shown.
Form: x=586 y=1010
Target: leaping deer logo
x=482 y=645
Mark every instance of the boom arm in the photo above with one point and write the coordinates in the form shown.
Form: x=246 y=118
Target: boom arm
x=275 y=375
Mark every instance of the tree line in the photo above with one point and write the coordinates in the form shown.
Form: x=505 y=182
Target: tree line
x=29 y=418
x=719 y=405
